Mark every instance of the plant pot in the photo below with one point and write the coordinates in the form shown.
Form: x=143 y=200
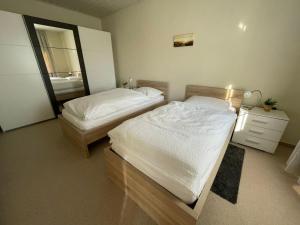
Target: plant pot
x=267 y=108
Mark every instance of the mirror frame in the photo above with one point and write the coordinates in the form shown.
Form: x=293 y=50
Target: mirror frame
x=29 y=22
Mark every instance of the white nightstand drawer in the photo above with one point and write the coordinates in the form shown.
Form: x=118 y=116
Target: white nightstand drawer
x=251 y=130
x=255 y=142
x=264 y=122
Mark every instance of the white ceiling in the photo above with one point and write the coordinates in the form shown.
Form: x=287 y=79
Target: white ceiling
x=98 y=8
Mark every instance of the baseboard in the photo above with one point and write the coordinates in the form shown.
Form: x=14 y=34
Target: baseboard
x=32 y=124
x=287 y=144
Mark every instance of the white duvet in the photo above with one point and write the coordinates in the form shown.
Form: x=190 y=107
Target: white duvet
x=181 y=141
x=104 y=103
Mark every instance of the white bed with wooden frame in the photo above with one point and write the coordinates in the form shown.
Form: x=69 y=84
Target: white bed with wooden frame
x=155 y=200
x=82 y=138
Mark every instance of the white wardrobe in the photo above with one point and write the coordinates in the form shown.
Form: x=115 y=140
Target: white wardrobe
x=23 y=97
x=98 y=59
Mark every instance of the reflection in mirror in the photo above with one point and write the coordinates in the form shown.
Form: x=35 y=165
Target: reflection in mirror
x=61 y=59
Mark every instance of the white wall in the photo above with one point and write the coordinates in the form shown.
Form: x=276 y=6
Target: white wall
x=65 y=60
x=71 y=55
x=265 y=56
x=51 y=12
x=60 y=58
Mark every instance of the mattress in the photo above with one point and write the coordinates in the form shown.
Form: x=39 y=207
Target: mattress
x=89 y=124
x=176 y=145
x=66 y=83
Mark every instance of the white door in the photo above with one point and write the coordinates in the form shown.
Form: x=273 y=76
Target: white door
x=23 y=96
x=98 y=59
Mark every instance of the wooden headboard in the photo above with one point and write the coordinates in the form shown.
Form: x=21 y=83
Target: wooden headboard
x=234 y=96
x=160 y=85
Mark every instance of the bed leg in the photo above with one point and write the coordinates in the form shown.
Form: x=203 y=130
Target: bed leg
x=85 y=151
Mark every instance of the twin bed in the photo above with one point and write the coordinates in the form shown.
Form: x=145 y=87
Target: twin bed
x=67 y=88
x=83 y=121
x=166 y=159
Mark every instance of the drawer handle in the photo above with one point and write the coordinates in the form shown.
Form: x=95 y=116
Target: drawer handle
x=251 y=141
x=256 y=131
x=259 y=121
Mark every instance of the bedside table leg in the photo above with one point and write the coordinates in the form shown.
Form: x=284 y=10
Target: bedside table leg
x=85 y=151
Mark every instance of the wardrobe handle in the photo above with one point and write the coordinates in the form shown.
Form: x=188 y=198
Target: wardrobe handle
x=259 y=121
x=251 y=141
x=256 y=131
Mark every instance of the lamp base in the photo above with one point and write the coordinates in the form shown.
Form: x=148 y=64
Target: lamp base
x=248 y=107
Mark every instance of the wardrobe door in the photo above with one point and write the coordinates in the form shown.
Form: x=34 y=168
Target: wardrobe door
x=98 y=59
x=23 y=97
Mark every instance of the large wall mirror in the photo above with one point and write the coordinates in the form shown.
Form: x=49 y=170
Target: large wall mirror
x=58 y=51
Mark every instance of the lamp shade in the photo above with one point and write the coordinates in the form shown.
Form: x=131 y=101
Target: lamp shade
x=247 y=94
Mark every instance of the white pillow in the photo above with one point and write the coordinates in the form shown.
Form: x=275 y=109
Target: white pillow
x=209 y=102
x=149 y=91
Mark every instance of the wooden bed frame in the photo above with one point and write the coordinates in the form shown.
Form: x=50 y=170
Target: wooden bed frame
x=71 y=95
x=234 y=96
x=156 y=201
x=82 y=138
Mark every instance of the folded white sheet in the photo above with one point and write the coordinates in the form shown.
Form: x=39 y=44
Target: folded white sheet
x=180 y=140
x=104 y=103
x=90 y=124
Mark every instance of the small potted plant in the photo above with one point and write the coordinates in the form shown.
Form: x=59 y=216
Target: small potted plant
x=269 y=104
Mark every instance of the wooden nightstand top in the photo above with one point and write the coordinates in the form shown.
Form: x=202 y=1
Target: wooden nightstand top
x=276 y=114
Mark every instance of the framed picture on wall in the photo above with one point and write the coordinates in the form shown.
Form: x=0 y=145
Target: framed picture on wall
x=183 y=40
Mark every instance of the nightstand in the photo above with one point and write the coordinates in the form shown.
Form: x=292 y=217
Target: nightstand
x=260 y=129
